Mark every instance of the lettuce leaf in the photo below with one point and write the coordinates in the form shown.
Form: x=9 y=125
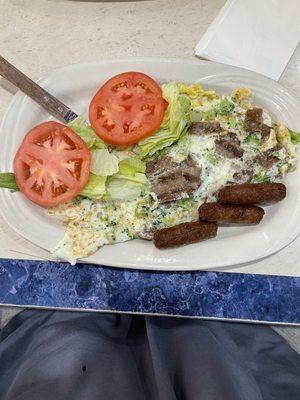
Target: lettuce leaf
x=95 y=187
x=176 y=121
x=295 y=136
x=130 y=166
x=8 y=181
x=104 y=163
x=86 y=133
x=121 y=187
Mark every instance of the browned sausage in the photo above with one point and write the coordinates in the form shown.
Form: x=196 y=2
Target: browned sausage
x=186 y=233
x=231 y=213
x=252 y=193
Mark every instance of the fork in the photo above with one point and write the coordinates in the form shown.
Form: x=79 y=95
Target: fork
x=50 y=103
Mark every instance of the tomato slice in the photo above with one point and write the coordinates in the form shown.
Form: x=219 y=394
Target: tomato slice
x=127 y=108
x=52 y=164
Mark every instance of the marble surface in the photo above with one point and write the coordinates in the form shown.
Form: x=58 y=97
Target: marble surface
x=40 y=35
x=217 y=295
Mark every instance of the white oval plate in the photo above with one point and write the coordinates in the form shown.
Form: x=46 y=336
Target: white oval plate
x=75 y=86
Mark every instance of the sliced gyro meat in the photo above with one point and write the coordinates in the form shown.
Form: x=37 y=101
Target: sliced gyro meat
x=252 y=193
x=205 y=127
x=253 y=120
x=268 y=138
x=172 y=181
x=265 y=132
x=160 y=165
x=228 y=149
x=185 y=233
x=230 y=137
x=192 y=175
x=267 y=159
x=172 y=187
x=243 y=176
x=176 y=185
x=231 y=213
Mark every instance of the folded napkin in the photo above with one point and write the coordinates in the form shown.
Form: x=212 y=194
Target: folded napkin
x=260 y=35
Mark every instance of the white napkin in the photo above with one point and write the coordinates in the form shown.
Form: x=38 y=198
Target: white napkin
x=260 y=35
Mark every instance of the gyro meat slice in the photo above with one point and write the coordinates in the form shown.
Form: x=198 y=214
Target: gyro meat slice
x=267 y=159
x=205 y=127
x=243 y=176
x=172 y=181
x=228 y=149
x=159 y=165
x=253 y=120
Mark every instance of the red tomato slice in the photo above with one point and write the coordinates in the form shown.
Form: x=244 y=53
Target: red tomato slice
x=127 y=108
x=52 y=164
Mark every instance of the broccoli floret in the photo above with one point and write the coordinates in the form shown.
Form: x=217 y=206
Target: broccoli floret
x=224 y=107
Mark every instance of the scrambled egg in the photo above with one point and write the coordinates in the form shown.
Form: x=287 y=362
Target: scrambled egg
x=90 y=224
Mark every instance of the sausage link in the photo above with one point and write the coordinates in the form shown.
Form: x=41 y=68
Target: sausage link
x=185 y=233
x=231 y=213
x=252 y=193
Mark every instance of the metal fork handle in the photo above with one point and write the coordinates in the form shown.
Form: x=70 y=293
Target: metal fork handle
x=50 y=103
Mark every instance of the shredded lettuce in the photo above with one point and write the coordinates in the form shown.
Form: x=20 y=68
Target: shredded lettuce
x=8 y=181
x=86 y=133
x=121 y=187
x=104 y=163
x=130 y=166
x=176 y=121
x=95 y=187
x=295 y=137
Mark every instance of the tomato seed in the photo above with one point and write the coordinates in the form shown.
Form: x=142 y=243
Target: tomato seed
x=38 y=188
x=125 y=128
x=108 y=126
x=100 y=112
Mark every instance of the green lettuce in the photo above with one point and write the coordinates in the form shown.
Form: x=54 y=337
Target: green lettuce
x=104 y=163
x=95 y=187
x=130 y=166
x=86 y=133
x=121 y=187
x=295 y=136
x=8 y=181
x=176 y=121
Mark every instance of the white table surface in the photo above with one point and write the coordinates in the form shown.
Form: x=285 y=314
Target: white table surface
x=40 y=35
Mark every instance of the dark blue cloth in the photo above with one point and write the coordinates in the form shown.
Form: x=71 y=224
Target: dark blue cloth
x=47 y=355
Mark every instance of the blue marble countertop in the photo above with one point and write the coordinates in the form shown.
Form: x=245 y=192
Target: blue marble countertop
x=200 y=294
